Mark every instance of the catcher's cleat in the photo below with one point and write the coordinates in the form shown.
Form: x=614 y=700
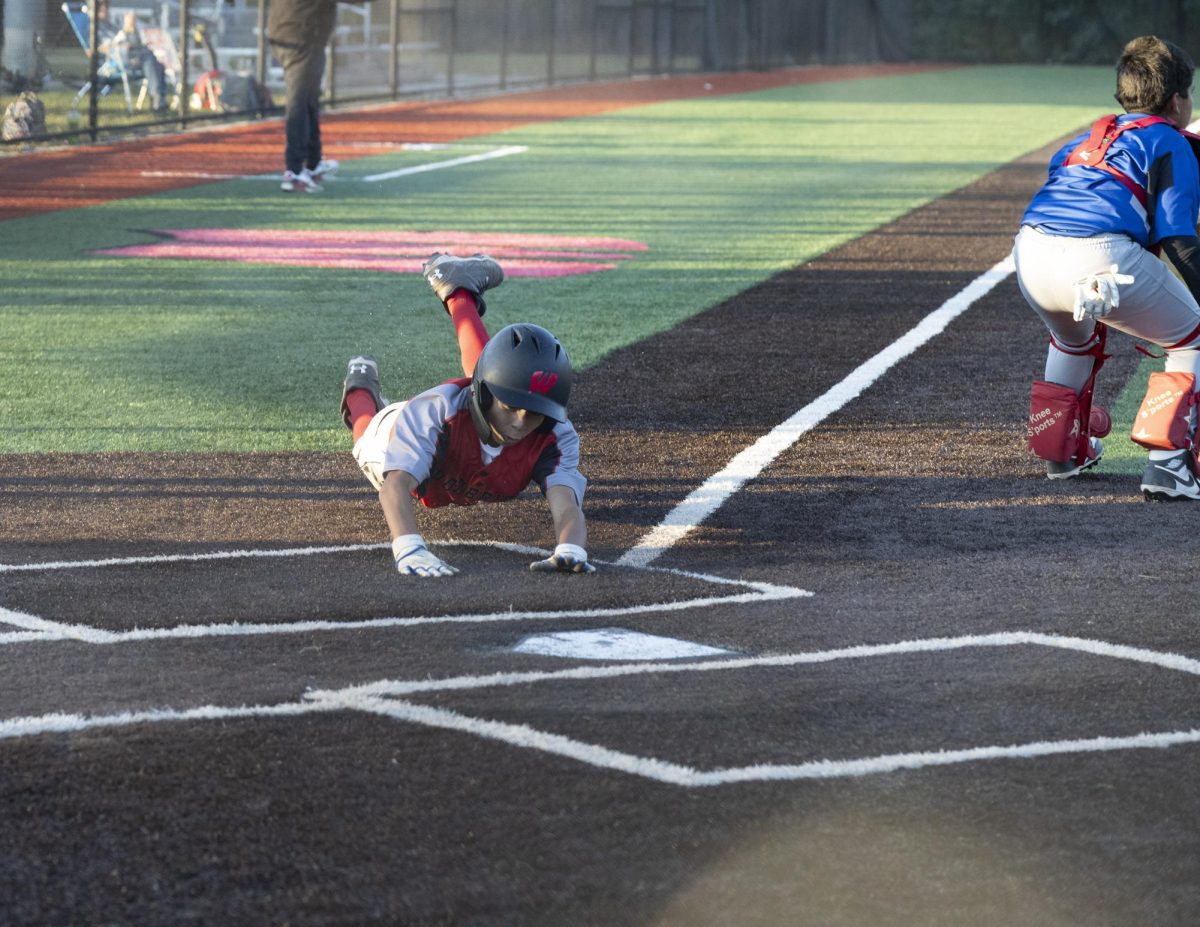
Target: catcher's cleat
x=1064 y=471
x=1171 y=479
x=447 y=273
x=362 y=373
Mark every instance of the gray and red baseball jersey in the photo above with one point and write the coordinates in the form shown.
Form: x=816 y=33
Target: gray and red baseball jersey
x=433 y=438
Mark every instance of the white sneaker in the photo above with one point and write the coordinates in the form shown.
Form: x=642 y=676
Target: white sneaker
x=1173 y=478
x=327 y=167
x=1064 y=471
x=304 y=182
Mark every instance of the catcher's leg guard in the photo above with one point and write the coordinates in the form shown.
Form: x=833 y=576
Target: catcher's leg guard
x=1061 y=421
x=1164 y=420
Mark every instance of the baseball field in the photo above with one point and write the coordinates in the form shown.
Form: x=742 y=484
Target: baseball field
x=848 y=657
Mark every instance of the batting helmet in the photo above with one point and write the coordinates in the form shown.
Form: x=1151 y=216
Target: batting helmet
x=525 y=367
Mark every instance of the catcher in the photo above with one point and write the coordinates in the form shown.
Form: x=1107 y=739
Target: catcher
x=482 y=438
x=1117 y=196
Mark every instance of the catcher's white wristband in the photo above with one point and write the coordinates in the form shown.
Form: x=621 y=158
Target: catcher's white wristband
x=405 y=544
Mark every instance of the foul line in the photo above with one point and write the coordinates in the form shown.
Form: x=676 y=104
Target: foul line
x=702 y=502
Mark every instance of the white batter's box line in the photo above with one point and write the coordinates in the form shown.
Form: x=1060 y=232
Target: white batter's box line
x=383 y=688
x=768 y=589
x=748 y=464
x=379 y=699
x=665 y=771
x=246 y=554
x=39 y=629
x=375 y=699
x=282 y=552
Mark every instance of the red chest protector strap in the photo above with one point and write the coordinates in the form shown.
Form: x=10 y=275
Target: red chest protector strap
x=1093 y=149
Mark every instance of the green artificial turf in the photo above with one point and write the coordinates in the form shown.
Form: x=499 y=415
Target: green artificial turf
x=106 y=353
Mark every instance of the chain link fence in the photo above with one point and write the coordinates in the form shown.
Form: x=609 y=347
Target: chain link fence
x=216 y=65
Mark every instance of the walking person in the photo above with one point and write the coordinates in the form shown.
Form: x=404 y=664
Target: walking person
x=298 y=31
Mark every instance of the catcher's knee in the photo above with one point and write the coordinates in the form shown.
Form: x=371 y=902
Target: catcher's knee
x=1059 y=425
x=1164 y=421
x=1061 y=420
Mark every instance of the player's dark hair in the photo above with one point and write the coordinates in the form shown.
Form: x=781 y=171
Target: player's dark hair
x=1149 y=72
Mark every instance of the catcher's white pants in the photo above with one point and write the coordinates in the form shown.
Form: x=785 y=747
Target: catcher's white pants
x=1157 y=307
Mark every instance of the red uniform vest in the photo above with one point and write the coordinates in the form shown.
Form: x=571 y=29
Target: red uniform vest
x=460 y=477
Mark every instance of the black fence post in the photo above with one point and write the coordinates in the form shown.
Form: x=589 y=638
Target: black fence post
x=93 y=73
x=261 y=70
x=552 y=19
x=394 y=49
x=453 y=48
x=185 y=96
x=504 y=38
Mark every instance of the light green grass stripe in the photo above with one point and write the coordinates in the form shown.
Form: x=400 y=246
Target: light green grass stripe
x=101 y=353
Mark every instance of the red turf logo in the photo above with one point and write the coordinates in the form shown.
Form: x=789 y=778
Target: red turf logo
x=542 y=381
x=397 y=252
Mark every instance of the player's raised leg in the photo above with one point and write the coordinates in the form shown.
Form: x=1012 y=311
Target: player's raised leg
x=460 y=283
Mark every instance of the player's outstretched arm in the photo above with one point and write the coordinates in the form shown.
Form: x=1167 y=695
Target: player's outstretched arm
x=570 y=554
x=412 y=557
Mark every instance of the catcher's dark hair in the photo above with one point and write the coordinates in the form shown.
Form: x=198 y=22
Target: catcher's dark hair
x=1149 y=72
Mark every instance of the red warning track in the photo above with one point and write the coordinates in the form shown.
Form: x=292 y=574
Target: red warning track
x=42 y=181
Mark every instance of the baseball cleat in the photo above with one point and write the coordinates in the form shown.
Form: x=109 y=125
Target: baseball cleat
x=325 y=169
x=304 y=182
x=447 y=273
x=1064 y=471
x=1170 y=479
x=362 y=373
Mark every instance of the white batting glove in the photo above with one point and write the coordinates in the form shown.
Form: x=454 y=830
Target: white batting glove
x=414 y=559
x=1096 y=295
x=567 y=558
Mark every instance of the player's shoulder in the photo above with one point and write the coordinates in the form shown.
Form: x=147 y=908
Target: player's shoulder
x=439 y=403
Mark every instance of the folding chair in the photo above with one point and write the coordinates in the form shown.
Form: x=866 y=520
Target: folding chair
x=113 y=70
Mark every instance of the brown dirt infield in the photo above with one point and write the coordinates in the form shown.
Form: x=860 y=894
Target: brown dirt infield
x=914 y=512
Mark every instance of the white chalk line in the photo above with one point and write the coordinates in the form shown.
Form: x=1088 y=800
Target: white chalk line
x=376 y=698
x=486 y=155
x=184 y=558
x=36 y=629
x=749 y=463
x=381 y=688
x=503 y=152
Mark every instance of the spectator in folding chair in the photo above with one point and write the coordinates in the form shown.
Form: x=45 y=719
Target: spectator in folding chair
x=138 y=58
x=113 y=71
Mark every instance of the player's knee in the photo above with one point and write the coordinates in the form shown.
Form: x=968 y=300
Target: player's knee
x=1164 y=420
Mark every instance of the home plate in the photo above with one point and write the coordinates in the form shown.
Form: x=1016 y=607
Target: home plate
x=613 y=644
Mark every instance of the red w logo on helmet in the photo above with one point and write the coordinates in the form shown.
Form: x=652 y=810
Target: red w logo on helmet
x=540 y=381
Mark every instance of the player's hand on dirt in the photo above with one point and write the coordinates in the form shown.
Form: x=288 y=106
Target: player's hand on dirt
x=1096 y=295
x=567 y=558
x=413 y=558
